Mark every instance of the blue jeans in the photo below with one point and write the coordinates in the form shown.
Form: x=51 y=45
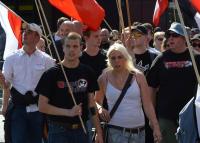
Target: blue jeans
x=26 y=127
x=59 y=134
x=118 y=136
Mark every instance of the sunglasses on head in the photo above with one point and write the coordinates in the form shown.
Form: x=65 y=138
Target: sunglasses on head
x=196 y=45
x=174 y=35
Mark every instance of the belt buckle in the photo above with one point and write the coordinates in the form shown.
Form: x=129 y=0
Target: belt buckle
x=75 y=126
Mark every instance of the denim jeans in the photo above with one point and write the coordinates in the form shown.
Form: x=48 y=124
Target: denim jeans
x=59 y=134
x=26 y=127
x=118 y=136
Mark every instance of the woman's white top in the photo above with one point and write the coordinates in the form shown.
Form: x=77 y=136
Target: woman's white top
x=129 y=113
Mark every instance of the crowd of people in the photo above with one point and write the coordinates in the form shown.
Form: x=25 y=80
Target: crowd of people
x=73 y=95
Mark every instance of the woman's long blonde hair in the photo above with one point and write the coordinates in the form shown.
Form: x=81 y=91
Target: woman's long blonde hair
x=124 y=52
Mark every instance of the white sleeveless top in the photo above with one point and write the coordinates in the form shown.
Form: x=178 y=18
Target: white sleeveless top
x=129 y=113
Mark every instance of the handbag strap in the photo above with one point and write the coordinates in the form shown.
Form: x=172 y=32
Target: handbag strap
x=126 y=86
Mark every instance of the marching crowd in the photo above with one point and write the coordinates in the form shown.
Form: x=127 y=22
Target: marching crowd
x=136 y=82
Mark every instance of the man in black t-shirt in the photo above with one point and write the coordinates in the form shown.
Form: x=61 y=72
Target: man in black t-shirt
x=143 y=56
x=93 y=56
x=172 y=77
x=55 y=99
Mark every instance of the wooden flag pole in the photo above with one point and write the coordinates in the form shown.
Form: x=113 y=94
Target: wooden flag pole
x=128 y=15
x=121 y=20
x=174 y=11
x=107 y=24
x=67 y=81
x=48 y=41
x=188 y=41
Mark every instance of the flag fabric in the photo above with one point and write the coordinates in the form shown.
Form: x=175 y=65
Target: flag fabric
x=196 y=4
x=88 y=12
x=160 y=8
x=190 y=13
x=11 y=25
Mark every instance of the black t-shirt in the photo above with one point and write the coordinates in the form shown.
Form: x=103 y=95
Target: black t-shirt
x=52 y=85
x=144 y=61
x=97 y=63
x=173 y=74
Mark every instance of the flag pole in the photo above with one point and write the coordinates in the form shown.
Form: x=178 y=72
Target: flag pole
x=121 y=20
x=62 y=68
x=174 y=11
x=130 y=50
x=128 y=15
x=188 y=41
x=107 y=24
x=48 y=41
x=120 y=14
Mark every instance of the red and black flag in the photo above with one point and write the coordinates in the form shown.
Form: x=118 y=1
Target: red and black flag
x=160 y=8
x=189 y=9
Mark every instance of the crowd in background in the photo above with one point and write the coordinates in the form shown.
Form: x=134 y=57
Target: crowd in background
x=163 y=81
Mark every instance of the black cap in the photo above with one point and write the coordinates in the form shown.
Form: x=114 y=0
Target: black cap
x=141 y=29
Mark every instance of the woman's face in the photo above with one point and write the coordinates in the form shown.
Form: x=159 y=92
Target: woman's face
x=117 y=60
x=158 y=41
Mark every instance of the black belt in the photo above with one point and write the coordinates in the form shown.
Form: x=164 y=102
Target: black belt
x=66 y=125
x=130 y=130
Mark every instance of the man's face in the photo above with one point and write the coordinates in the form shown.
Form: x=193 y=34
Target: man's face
x=175 y=41
x=65 y=28
x=104 y=35
x=196 y=45
x=30 y=37
x=140 y=39
x=94 y=40
x=72 y=49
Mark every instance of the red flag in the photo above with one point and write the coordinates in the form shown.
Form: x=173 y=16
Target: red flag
x=88 y=12
x=196 y=4
x=161 y=6
x=11 y=24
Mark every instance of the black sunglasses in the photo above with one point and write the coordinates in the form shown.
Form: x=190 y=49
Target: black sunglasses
x=174 y=35
x=196 y=45
x=160 y=39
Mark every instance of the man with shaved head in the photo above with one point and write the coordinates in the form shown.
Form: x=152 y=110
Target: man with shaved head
x=105 y=43
x=63 y=30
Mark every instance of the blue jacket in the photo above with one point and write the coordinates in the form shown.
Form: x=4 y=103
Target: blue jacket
x=187 y=131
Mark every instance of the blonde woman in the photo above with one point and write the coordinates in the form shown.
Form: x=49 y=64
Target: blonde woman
x=158 y=39
x=127 y=123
